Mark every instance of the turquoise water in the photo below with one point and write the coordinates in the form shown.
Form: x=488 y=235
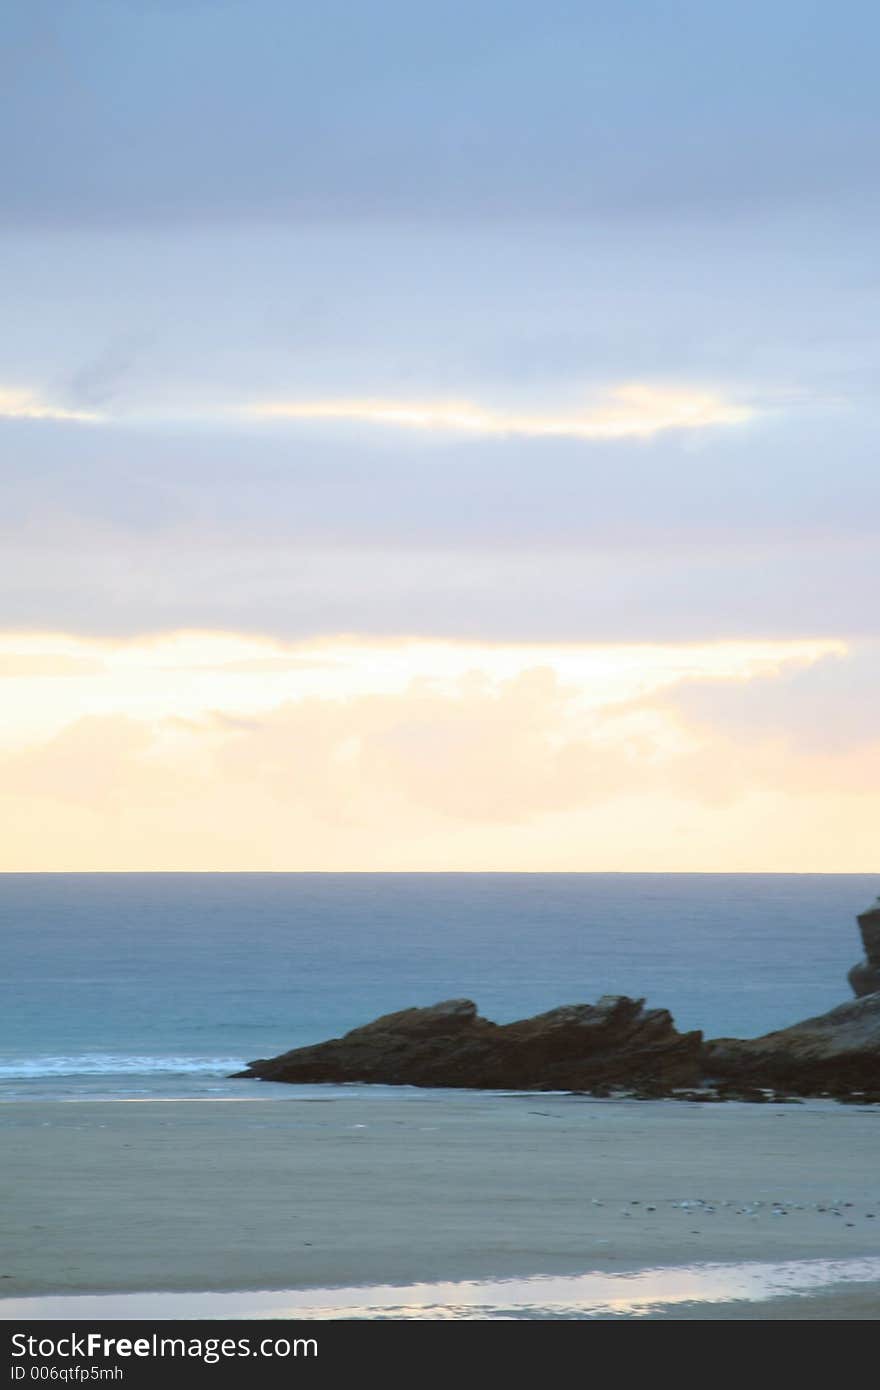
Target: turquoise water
x=135 y=984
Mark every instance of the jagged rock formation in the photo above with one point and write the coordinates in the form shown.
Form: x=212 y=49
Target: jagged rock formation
x=836 y=1053
x=865 y=976
x=616 y=1042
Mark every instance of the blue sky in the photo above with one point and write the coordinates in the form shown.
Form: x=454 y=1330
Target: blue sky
x=128 y=111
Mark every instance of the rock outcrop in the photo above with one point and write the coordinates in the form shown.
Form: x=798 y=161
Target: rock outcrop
x=864 y=977
x=616 y=1043
x=837 y=1053
x=579 y=1047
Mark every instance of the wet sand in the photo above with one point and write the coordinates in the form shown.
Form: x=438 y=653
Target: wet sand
x=291 y=1193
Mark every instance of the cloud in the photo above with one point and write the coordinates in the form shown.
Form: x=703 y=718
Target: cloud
x=502 y=773
x=20 y=404
x=828 y=709
x=379 y=767
x=28 y=665
x=633 y=586
x=96 y=761
x=484 y=752
x=634 y=410
x=99 y=381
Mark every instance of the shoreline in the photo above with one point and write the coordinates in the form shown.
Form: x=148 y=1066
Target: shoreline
x=755 y=1289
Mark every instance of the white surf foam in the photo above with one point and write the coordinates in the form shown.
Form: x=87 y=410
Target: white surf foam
x=116 y=1064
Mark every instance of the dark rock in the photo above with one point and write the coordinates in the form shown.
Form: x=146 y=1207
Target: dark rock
x=598 y=1049
x=577 y=1047
x=837 y=1053
x=864 y=978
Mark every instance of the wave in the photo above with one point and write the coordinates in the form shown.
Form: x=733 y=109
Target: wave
x=115 y=1064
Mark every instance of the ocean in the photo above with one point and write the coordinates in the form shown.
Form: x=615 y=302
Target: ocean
x=145 y=985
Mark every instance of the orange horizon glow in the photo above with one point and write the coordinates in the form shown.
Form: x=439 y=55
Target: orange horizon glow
x=221 y=751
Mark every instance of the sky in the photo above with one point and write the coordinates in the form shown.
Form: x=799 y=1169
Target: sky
x=439 y=437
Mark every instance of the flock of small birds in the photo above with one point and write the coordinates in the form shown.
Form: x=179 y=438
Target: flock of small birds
x=699 y=1206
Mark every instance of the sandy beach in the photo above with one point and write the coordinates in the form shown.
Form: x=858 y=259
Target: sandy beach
x=292 y=1193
